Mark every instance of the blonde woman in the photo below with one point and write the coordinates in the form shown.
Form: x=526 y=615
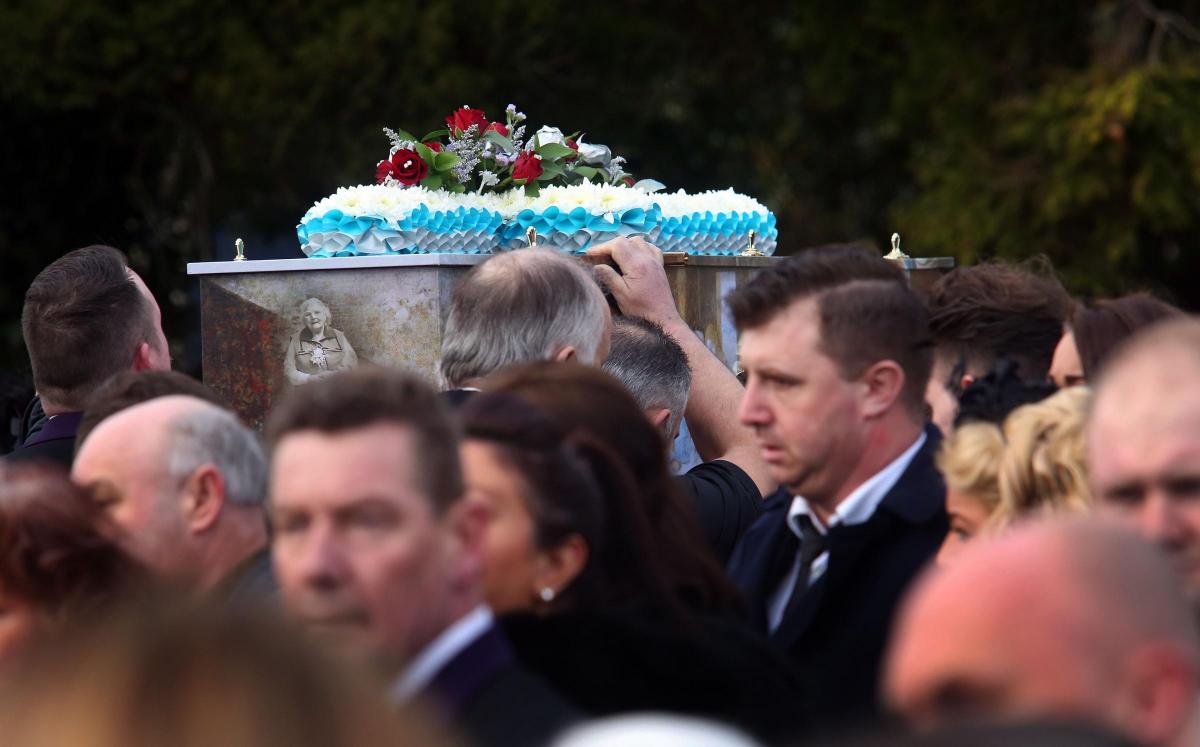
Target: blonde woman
x=1033 y=464
x=969 y=461
x=1043 y=470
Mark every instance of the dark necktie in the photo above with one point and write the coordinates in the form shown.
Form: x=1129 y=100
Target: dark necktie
x=812 y=545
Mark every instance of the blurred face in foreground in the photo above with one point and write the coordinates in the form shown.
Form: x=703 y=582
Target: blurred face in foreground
x=125 y=462
x=1062 y=621
x=1144 y=454
x=361 y=554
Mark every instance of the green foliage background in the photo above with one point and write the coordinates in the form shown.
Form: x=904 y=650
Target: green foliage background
x=977 y=128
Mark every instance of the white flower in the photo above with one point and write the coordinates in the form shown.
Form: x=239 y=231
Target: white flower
x=593 y=154
x=487 y=179
x=680 y=204
x=598 y=199
x=544 y=136
x=394 y=203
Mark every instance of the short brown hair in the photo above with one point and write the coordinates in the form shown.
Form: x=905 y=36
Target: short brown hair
x=133 y=388
x=990 y=311
x=868 y=313
x=83 y=320
x=371 y=396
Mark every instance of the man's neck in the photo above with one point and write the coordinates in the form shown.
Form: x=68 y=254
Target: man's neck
x=885 y=443
x=235 y=548
x=52 y=408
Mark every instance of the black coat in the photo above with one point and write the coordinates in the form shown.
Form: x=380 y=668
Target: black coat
x=53 y=443
x=487 y=695
x=634 y=659
x=836 y=634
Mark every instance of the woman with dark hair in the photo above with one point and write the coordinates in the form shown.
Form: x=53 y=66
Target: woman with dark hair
x=589 y=594
x=592 y=401
x=1094 y=331
x=55 y=563
x=563 y=531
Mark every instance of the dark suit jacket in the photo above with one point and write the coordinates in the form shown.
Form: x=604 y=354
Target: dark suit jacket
x=250 y=585
x=629 y=658
x=837 y=632
x=487 y=695
x=54 y=443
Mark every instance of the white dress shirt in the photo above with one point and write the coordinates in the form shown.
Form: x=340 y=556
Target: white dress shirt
x=465 y=631
x=857 y=508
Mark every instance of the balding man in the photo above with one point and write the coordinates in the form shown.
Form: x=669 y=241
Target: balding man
x=517 y=307
x=1063 y=619
x=184 y=481
x=1144 y=440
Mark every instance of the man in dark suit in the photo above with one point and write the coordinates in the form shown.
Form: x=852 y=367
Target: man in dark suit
x=86 y=318
x=376 y=551
x=837 y=353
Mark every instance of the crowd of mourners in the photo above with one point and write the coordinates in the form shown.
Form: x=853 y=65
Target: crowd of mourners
x=966 y=515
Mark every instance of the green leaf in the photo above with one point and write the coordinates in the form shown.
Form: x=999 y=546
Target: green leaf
x=433 y=181
x=445 y=161
x=403 y=134
x=549 y=171
x=531 y=189
x=426 y=153
x=553 y=150
x=435 y=135
x=456 y=188
x=587 y=172
x=505 y=144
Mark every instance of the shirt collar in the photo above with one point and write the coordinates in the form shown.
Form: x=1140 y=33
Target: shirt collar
x=862 y=502
x=452 y=641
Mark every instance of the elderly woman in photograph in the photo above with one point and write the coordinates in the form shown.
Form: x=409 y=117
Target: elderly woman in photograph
x=317 y=349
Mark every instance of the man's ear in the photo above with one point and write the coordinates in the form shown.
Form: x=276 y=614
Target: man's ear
x=565 y=353
x=467 y=521
x=966 y=381
x=141 y=357
x=1160 y=692
x=659 y=417
x=203 y=499
x=884 y=381
x=559 y=566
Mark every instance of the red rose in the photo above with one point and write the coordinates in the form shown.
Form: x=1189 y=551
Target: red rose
x=383 y=170
x=573 y=146
x=408 y=168
x=527 y=167
x=434 y=146
x=497 y=127
x=629 y=181
x=463 y=118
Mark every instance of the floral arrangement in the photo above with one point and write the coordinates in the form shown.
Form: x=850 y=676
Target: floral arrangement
x=474 y=154
x=478 y=186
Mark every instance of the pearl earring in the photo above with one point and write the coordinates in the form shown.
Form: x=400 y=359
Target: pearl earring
x=547 y=594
